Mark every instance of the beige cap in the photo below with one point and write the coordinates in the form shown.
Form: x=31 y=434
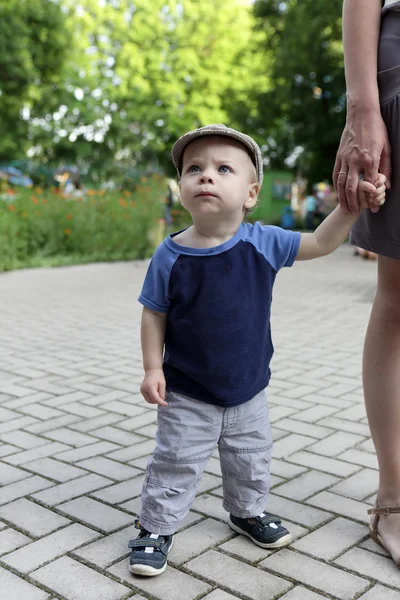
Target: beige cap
x=253 y=148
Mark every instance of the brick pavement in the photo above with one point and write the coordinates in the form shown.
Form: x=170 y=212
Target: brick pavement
x=75 y=437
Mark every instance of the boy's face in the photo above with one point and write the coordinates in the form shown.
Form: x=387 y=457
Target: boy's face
x=218 y=178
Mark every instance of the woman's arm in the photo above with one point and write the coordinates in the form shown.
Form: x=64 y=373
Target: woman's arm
x=364 y=147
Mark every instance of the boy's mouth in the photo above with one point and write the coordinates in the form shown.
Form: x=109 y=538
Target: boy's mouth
x=206 y=194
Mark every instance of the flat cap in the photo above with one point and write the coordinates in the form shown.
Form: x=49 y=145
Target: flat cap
x=252 y=147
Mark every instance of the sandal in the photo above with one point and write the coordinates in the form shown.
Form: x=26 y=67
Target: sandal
x=373 y=529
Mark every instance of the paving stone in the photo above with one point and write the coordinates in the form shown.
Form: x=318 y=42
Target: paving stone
x=6 y=449
x=70 y=437
x=207 y=534
x=25 y=487
x=305 y=485
x=19 y=423
x=54 y=469
x=237 y=576
x=302 y=428
x=23 y=439
x=41 y=412
x=44 y=426
x=31 y=517
x=130 y=453
x=120 y=492
x=322 y=463
x=15 y=588
x=135 y=423
x=109 y=549
x=40 y=452
x=96 y=422
x=71 y=489
x=10 y=474
x=369 y=544
x=87 y=451
x=336 y=443
x=340 y=505
x=109 y=468
x=370 y=565
x=358 y=486
x=315 y=574
x=11 y=540
x=343 y=425
x=219 y=595
x=311 y=415
x=285 y=470
x=175 y=585
x=300 y=593
x=75 y=581
x=112 y=434
x=210 y=506
x=378 y=592
x=96 y=513
x=365 y=459
x=291 y=444
x=48 y=548
x=294 y=511
x=331 y=539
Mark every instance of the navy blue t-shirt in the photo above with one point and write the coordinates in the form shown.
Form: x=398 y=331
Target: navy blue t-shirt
x=218 y=345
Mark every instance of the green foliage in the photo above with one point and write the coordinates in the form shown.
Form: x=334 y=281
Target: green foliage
x=33 y=44
x=306 y=104
x=42 y=224
x=138 y=75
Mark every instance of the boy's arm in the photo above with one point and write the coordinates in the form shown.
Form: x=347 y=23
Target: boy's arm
x=152 y=336
x=327 y=237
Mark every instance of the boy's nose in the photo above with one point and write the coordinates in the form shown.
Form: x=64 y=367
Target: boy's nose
x=206 y=178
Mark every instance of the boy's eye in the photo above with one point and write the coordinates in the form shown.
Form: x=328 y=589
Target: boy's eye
x=193 y=169
x=225 y=169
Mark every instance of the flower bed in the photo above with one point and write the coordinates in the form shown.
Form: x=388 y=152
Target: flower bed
x=44 y=228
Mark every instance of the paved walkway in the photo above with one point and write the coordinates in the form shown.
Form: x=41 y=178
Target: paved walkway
x=75 y=436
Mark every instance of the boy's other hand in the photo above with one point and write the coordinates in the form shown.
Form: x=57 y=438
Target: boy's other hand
x=371 y=195
x=153 y=387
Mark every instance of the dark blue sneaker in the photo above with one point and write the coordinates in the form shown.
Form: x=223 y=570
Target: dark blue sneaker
x=149 y=552
x=265 y=530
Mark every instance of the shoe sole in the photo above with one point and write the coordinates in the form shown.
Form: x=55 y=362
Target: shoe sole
x=146 y=570
x=281 y=543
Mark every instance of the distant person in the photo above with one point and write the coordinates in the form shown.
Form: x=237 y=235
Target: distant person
x=310 y=209
x=206 y=342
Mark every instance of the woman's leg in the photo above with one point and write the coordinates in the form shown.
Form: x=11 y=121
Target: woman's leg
x=381 y=375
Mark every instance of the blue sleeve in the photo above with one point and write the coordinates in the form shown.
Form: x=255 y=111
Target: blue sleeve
x=154 y=294
x=279 y=246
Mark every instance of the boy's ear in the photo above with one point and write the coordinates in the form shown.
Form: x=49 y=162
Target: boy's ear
x=254 y=190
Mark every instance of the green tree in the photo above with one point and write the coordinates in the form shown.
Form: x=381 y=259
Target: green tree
x=305 y=106
x=33 y=44
x=140 y=74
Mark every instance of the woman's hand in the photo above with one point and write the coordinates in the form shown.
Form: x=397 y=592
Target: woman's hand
x=364 y=150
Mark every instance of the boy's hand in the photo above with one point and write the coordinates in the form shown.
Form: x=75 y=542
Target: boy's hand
x=370 y=195
x=153 y=387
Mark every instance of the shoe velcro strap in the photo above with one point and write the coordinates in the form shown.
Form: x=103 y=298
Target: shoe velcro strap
x=145 y=542
x=270 y=519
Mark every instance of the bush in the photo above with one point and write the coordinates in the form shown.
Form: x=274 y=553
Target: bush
x=41 y=227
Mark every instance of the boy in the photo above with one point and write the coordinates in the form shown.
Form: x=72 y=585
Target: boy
x=207 y=297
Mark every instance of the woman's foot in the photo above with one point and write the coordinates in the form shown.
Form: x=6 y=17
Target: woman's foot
x=385 y=528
